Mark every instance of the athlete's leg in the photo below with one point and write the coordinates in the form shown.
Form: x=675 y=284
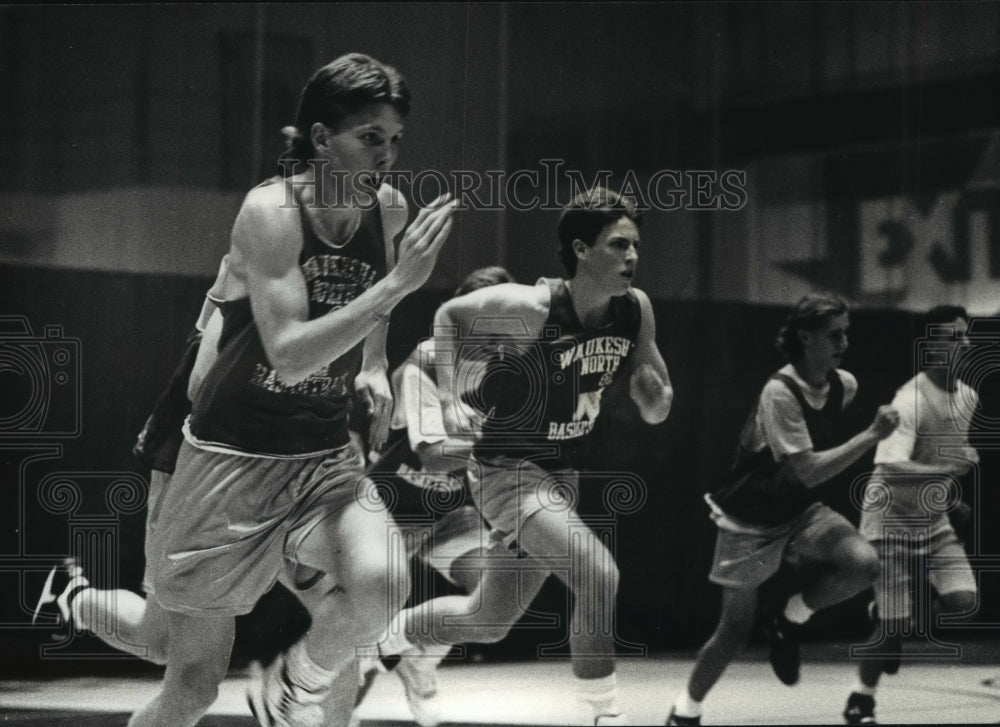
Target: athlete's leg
x=954 y=581
x=736 y=621
x=353 y=579
x=197 y=659
x=124 y=620
x=842 y=562
x=505 y=587
x=592 y=577
x=854 y=567
x=739 y=606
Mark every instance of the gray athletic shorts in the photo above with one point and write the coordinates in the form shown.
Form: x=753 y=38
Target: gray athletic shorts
x=509 y=491
x=747 y=559
x=225 y=526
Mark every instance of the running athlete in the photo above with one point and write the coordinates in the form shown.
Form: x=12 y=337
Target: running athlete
x=768 y=513
x=425 y=469
x=122 y=618
x=904 y=510
x=564 y=342
x=268 y=484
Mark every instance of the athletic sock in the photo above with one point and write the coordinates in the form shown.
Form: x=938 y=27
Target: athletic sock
x=76 y=611
x=687 y=707
x=77 y=584
x=601 y=694
x=303 y=672
x=860 y=688
x=796 y=610
x=394 y=641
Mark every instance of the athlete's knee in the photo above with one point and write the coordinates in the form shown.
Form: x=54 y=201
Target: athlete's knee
x=376 y=589
x=491 y=634
x=858 y=559
x=156 y=652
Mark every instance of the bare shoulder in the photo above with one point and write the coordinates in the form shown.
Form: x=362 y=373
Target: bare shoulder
x=508 y=308
x=642 y=297
x=645 y=305
x=849 y=381
x=270 y=206
x=267 y=228
x=518 y=298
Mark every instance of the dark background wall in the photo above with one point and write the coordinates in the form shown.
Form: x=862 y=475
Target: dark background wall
x=869 y=136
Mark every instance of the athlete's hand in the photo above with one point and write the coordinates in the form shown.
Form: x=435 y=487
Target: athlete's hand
x=375 y=395
x=421 y=243
x=886 y=421
x=651 y=393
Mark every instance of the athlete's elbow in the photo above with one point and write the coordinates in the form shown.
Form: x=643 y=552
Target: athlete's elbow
x=809 y=477
x=656 y=409
x=804 y=467
x=287 y=364
x=656 y=414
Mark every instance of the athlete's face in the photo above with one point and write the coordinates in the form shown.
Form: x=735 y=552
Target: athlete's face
x=364 y=146
x=825 y=347
x=613 y=257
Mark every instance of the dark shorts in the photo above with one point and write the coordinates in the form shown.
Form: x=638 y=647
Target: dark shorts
x=745 y=559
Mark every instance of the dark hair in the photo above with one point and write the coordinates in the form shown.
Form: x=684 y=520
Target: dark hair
x=484 y=278
x=809 y=314
x=340 y=88
x=941 y=314
x=586 y=215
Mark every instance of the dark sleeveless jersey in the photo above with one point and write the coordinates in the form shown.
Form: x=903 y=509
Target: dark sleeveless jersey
x=160 y=439
x=759 y=490
x=547 y=391
x=244 y=404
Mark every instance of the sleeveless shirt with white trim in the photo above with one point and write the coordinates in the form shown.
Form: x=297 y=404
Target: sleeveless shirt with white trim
x=547 y=391
x=244 y=405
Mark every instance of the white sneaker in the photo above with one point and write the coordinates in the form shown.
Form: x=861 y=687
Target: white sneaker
x=418 y=671
x=62 y=584
x=276 y=703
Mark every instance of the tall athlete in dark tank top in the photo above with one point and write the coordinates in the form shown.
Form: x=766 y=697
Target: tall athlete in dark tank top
x=564 y=341
x=266 y=485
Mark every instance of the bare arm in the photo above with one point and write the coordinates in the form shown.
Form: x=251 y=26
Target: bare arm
x=509 y=309
x=649 y=386
x=815 y=468
x=265 y=245
x=208 y=350
x=372 y=382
